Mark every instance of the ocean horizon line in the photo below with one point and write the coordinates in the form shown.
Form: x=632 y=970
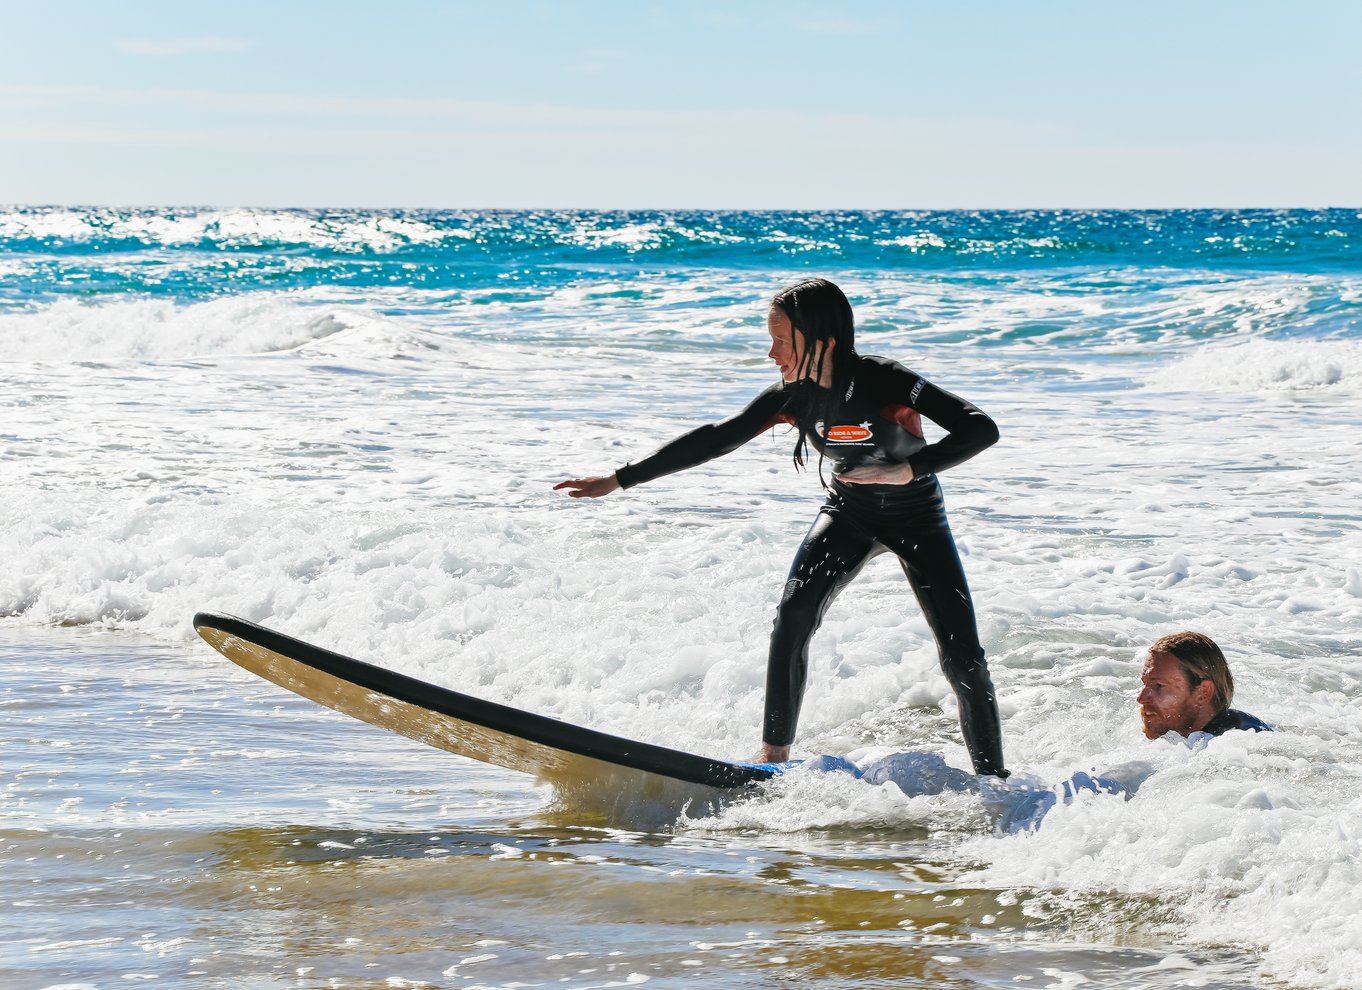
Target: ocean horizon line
x=792 y=210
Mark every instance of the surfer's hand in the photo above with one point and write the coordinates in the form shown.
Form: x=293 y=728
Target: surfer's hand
x=878 y=474
x=589 y=487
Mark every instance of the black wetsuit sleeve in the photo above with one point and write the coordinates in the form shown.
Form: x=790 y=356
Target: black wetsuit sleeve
x=1232 y=718
x=709 y=441
x=968 y=429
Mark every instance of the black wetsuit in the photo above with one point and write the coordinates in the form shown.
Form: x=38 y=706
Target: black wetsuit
x=1232 y=718
x=877 y=421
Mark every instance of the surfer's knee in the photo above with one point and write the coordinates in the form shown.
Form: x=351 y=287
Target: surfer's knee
x=964 y=666
x=795 y=591
x=798 y=611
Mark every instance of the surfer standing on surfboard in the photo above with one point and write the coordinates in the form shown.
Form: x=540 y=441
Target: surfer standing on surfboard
x=863 y=414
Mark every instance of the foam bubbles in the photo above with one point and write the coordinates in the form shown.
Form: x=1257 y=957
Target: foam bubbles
x=159 y=330
x=1239 y=826
x=369 y=468
x=360 y=232
x=1267 y=366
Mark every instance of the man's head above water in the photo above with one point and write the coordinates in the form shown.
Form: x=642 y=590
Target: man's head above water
x=1187 y=683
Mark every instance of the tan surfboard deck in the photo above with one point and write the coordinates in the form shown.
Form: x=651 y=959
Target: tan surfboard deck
x=550 y=749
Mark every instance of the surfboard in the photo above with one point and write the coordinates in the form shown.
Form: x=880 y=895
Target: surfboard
x=550 y=749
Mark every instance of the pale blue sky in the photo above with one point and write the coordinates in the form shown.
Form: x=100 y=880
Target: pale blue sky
x=799 y=105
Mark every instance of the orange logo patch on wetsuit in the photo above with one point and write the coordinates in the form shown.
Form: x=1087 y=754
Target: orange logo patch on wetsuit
x=848 y=434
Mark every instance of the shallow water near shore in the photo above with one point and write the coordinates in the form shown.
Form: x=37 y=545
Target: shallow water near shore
x=346 y=425
x=169 y=818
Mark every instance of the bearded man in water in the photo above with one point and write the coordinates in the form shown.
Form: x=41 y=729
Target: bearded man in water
x=1188 y=688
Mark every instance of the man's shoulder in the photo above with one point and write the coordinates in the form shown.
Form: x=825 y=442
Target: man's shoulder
x=1232 y=718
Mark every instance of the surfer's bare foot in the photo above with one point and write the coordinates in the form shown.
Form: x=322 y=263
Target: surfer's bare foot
x=772 y=754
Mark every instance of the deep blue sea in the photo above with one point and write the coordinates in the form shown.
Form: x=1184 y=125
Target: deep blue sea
x=347 y=424
x=197 y=254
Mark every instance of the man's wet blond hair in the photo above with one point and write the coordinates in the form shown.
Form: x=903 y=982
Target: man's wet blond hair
x=1201 y=660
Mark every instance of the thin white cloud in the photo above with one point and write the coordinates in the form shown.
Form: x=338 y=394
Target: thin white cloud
x=722 y=19
x=491 y=154
x=721 y=161
x=838 y=26
x=596 y=61
x=183 y=46
x=439 y=111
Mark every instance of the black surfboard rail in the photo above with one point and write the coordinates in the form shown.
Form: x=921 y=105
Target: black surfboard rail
x=539 y=729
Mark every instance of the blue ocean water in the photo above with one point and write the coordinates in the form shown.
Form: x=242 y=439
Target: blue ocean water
x=347 y=424
x=190 y=255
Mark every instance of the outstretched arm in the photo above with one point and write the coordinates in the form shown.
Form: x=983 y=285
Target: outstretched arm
x=699 y=445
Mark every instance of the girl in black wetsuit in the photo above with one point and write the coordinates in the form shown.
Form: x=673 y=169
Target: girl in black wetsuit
x=864 y=414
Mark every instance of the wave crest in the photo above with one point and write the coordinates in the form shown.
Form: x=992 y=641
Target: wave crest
x=1267 y=366
x=151 y=330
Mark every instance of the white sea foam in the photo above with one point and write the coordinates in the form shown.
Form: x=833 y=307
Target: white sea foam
x=915 y=242
x=379 y=484
x=235 y=228
x=1268 y=366
x=645 y=235
x=1249 y=828
x=160 y=330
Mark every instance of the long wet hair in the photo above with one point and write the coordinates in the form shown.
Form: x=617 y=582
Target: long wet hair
x=1201 y=660
x=818 y=311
